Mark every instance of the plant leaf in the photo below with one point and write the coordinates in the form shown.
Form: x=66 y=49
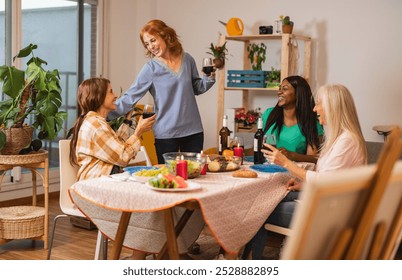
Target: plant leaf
x=13 y=80
x=26 y=51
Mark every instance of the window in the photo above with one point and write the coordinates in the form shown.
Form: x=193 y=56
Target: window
x=56 y=26
x=2 y=32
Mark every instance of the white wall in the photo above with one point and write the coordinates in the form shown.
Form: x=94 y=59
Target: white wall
x=357 y=43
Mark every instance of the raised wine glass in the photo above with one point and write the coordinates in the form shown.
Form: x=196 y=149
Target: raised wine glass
x=149 y=111
x=207 y=66
x=271 y=140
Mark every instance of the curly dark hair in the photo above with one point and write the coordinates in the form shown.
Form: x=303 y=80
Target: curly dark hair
x=157 y=27
x=306 y=117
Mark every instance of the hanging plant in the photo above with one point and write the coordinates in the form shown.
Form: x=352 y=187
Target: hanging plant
x=257 y=55
x=219 y=53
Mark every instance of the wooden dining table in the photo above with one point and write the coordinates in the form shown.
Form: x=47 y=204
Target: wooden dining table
x=233 y=209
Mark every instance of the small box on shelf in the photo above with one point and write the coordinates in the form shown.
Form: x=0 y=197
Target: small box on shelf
x=247 y=78
x=239 y=127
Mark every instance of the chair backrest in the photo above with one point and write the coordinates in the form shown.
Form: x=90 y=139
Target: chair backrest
x=388 y=156
x=328 y=222
x=142 y=156
x=68 y=176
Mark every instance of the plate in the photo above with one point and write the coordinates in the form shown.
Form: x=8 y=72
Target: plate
x=251 y=159
x=191 y=187
x=134 y=169
x=268 y=168
x=140 y=179
x=121 y=176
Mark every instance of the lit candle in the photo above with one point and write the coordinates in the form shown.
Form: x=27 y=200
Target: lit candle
x=181 y=168
x=238 y=151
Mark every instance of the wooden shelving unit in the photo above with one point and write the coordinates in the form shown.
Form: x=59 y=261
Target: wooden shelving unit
x=285 y=40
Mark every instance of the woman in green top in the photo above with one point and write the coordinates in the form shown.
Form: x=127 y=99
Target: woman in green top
x=293 y=121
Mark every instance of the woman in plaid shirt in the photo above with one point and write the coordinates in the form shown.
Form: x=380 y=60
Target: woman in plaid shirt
x=95 y=147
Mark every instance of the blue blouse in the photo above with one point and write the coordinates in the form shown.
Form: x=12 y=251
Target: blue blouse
x=173 y=94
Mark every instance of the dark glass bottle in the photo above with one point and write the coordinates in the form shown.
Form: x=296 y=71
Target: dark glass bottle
x=258 y=140
x=224 y=134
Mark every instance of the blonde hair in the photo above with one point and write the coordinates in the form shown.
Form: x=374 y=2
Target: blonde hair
x=340 y=115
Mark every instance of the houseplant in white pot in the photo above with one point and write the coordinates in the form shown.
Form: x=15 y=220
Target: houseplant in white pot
x=34 y=92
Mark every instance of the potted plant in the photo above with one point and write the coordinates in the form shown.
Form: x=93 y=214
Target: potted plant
x=219 y=53
x=287 y=25
x=274 y=77
x=257 y=55
x=34 y=92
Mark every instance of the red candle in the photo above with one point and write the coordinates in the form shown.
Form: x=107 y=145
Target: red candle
x=238 y=151
x=204 y=164
x=181 y=169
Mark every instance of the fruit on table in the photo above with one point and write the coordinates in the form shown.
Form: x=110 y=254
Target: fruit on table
x=227 y=154
x=168 y=181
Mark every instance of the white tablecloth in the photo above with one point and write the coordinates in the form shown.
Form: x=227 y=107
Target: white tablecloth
x=233 y=208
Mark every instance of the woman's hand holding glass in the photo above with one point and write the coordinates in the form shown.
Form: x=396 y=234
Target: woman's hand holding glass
x=144 y=125
x=272 y=154
x=208 y=67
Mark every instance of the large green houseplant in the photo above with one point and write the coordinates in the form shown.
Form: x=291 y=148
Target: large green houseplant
x=34 y=92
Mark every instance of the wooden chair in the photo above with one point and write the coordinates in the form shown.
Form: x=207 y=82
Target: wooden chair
x=351 y=214
x=389 y=155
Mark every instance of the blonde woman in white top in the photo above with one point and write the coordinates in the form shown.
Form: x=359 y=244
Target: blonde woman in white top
x=343 y=147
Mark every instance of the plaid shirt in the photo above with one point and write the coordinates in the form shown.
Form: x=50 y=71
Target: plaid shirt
x=99 y=147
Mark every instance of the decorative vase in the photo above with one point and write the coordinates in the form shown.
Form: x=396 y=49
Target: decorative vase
x=17 y=138
x=219 y=62
x=287 y=28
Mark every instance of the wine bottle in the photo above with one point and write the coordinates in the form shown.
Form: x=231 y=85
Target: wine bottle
x=258 y=140
x=224 y=134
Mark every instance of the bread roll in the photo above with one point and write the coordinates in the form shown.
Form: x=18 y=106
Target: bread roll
x=214 y=166
x=244 y=174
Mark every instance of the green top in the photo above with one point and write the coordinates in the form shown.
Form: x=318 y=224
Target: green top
x=291 y=137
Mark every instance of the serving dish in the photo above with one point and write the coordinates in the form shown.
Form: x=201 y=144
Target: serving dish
x=268 y=168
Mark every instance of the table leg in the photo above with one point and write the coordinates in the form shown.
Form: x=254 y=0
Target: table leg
x=179 y=227
x=120 y=234
x=171 y=235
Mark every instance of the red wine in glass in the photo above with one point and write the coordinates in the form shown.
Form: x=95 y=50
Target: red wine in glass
x=207 y=66
x=207 y=70
x=146 y=115
x=149 y=111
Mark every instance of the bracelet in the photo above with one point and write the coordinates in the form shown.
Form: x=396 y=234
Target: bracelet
x=128 y=122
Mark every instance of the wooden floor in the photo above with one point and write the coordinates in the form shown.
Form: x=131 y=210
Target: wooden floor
x=73 y=243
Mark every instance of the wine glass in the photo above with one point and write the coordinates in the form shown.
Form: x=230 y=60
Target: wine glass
x=149 y=111
x=207 y=66
x=271 y=140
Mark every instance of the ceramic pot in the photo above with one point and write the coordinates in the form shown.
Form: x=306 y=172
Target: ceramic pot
x=219 y=62
x=287 y=28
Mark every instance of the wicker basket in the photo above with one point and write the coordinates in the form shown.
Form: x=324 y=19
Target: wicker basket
x=21 y=222
x=17 y=139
